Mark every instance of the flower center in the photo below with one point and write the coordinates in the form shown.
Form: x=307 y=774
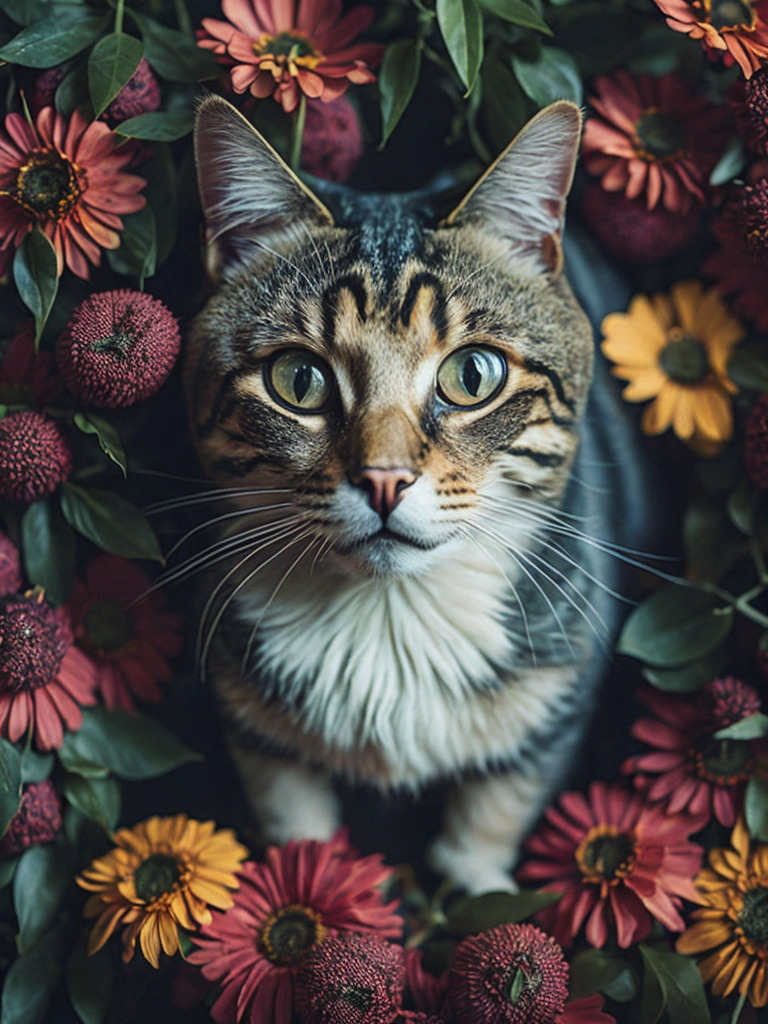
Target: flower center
x=606 y=855
x=683 y=358
x=287 y=49
x=49 y=185
x=290 y=933
x=659 y=136
x=32 y=643
x=724 y=762
x=730 y=15
x=156 y=876
x=108 y=626
x=753 y=919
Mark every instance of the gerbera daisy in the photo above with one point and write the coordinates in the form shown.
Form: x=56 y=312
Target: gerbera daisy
x=698 y=773
x=131 y=640
x=674 y=348
x=283 y=909
x=740 y=265
x=68 y=179
x=286 y=49
x=44 y=679
x=737 y=29
x=651 y=137
x=732 y=920
x=619 y=862
x=28 y=377
x=163 y=874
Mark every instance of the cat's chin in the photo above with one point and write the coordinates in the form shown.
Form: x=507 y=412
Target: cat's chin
x=387 y=554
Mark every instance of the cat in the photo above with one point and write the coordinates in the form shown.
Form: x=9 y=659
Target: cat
x=395 y=411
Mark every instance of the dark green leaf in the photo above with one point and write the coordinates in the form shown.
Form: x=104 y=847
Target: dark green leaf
x=597 y=970
x=111 y=65
x=132 y=746
x=10 y=783
x=741 y=507
x=654 y=997
x=750 y=728
x=106 y=434
x=61 y=35
x=554 y=76
x=109 y=521
x=7 y=871
x=504 y=105
x=598 y=36
x=72 y=762
x=98 y=798
x=748 y=366
x=49 y=549
x=689 y=677
x=518 y=12
x=87 y=839
x=710 y=545
x=36 y=277
x=397 y=82
x=731 y=162
x=35 y=767
x=72 y=91
x=756 y=808
x=158 y=126
x=137 y=254
x=162 y=195
x=680 y=981
x=461 y=25
x=656 y=51
x=479 y=913
x=31 y=980
x=39 y=886
x=172 y=54
x=89 y=982
x=25 y=12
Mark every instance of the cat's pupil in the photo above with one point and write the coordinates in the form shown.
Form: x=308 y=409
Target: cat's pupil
x=302 y=381
x=471 y=377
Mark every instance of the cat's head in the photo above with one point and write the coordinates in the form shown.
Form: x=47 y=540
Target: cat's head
x=380 y=378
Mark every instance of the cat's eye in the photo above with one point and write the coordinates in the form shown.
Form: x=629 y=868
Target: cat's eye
x=471 y=376
x=300 y=380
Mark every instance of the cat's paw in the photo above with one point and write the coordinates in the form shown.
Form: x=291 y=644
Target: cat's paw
x=469 y=869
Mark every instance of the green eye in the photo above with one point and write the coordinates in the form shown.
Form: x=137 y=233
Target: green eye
x=470 y=376
x=300 y=380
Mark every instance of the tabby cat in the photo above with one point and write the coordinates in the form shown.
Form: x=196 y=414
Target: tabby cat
x=395 y=410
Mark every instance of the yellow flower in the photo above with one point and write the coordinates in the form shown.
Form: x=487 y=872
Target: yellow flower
x=733 y=919
x=674 y=348
x=163 y=873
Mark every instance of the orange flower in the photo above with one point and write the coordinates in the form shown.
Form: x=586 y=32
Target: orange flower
x=738 y=29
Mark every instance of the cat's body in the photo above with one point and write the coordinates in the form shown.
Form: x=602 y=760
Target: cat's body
x=410 y=595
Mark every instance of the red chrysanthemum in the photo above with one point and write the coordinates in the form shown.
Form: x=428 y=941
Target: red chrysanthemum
x=285 y=48
x=737 y=30
x=44 y=679
x=140 y=95
x=131 y=638
x=738 y=266
x=332 y=143
x=118 y=348
x=38 y=819
x=283 y=909
x=756 y=443
x=68 y=179
x=619 y=862
x=35 y=456
x=28 y=377
x=10 y=567
x=651 y=137
x=699 y=774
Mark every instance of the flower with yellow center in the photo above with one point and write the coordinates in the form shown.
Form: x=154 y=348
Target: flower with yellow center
x=163 y=873
x=674 y=348
x=737 y=29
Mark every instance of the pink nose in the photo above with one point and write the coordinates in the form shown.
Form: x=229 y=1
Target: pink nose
x=385 y=487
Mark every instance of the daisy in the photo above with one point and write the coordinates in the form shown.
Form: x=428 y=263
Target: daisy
x=737 y=29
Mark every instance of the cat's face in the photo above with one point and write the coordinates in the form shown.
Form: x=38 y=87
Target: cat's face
x=384 y=381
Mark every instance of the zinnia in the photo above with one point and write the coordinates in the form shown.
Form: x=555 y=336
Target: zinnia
x=68 y=179
x=620 y=863
x=736 y=29
x=163 y=873
x=740 y=264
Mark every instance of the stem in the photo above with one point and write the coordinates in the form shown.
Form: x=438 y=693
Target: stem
x=183 y=19
x=119 y=11
x=739 y=1007
x=299 y=118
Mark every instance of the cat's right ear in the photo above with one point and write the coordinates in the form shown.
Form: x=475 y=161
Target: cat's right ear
x=252 y=201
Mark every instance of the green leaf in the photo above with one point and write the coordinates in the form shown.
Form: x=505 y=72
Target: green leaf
x=731 y=162
x=137 y=254
x=158 y=126
x=461 y=25
x=31 y=980
x=674 y=626
x=97 y=798
x=72 y=91
x=397 y=81
x=597 y=970
x=748 y=365
x=688 y=678
x=554 y=76
x=35 y=767
x=61 y=35
x=172 y=54
x=7 y=871
x=518 y=12
x=681 y=984
x=504 y=104
x=48 y=544
x=25 y=12
x=10 y=783
x=130 y=745
x=90 y=980
x=111 y=65
x=36 y=277
x=756 y=808
x=753 y=727
x=106 y=434
x=479 y=913
x=161 y=191
x=39 y=886
x=741 y=507
x=109 y=521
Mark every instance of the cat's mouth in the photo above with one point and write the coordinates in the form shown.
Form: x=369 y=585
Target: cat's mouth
x=388 y=537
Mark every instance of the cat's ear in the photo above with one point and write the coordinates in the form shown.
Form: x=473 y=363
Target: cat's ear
x=252 y=201
x=521 y=197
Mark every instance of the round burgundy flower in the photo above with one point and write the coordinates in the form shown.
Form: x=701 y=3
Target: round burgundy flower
x=756 y=99
x=44 y=90
x=118 y=348
x=739 y=265
x=756 y=443
x=351 y=979
x=35 y=456
x=140 y=95
x=332 y=143
x=32 y=642
x=38 y=819
x=752 y=203
x=727 y=701
x=10 y=567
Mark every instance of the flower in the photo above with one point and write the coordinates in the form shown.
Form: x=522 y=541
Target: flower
x=44 y=679
x=130 y=638
x=283 y=909
x=28 y=377
x=732 y=920
x=35 y=456
x=749 y=103
x=140 y=95
x=10 y=567
x=698 y=773
x=756 y=443
x=674 y=348
x=332 y=143
x=68 y=179
x=651 y=137
x=38 y=819
x=284 y=50
x=350 y=979
x=118 y=348
x=737 y=29
x=162 y=874
x=427 y=991
x=515 y=974
x=739 y=266
x=619 y=862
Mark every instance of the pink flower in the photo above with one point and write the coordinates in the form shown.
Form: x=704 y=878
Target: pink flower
x=332 y=143
x=27 y=377
x=737 y=31
x=38 y=819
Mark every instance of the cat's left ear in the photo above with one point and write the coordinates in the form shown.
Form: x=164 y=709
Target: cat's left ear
x=521 y=197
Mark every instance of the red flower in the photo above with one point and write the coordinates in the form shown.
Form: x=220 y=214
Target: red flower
x=738 y=266
x=69 y=180
x=332 y=143
x=140 y=95
x=44 y=679
x=283 y=48
x=756 y=443
x=35 y=456
x=427 y=991
x=38 y=819
x=10 y=567
x=27 y=377
x=131 y=640
x=698 y=773
x=652 y=137
x=619 y=863
x=283 y=909
x=736 y=29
